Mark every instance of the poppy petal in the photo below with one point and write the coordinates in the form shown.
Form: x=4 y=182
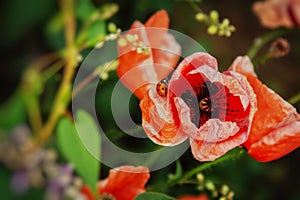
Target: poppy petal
x=147 y=53
x=160 y=22
x=166 y=56
x=125 y=182
x=275 y=129
x=273 y=13
x=158 y=121
x=132 y=63
x=195 y=61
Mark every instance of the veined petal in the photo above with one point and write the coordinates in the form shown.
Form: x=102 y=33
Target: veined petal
x=216 y=131
x=196 y=60
x=275 y=129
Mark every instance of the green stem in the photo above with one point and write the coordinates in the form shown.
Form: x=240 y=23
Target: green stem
x=261 y=41
x=52 y=70
x=33 y=109
x=294 y=99
x=262 y=59
x=162 y=187
x=195 y=6
x=64 y=92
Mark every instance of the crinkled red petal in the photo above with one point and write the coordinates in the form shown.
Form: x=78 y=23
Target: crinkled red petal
x=275 y=129
x=158 y=121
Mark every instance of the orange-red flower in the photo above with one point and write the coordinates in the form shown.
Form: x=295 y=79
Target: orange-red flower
x=277 y=13
x=147 y=52
x=123 y=183
x=190 y=197
x=275 y=129
x=214 y=109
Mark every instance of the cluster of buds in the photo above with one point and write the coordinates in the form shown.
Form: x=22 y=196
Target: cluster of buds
x=135 y=42
x=215 y=26
x=221 y=192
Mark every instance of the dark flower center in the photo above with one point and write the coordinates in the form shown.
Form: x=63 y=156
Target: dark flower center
x=205 y=104
x=206 y=101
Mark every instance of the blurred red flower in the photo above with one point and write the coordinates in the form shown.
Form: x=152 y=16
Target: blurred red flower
x=275 y=129
x=123 y=183
x=277 y=13
x=214 y=109
x=147 y=52
x=190 y=197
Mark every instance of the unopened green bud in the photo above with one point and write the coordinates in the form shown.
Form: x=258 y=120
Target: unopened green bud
x=210 y=186
x=212 y=29
x=228 y=33
x=200 y=177
x=221 y=32
x=104 y=76
x=214 y=15
x=200 y=16
x=225 y=22
x=224 y=189
x=112 y=27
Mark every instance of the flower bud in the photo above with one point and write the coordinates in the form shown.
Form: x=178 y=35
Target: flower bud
x=224 y=189
x=200 y=16
x=280 y=47
x=214 y=15
x=200 y=177
x=210 y=186
x=212 y=29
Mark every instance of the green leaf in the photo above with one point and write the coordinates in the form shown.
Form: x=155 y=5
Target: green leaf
x=14 y=111
x=153 y=196
x=85 y=9
x=96 y=32
x=88 y=132
x=81 y=147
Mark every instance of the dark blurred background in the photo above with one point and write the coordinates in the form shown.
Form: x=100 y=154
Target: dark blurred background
x=24 y=37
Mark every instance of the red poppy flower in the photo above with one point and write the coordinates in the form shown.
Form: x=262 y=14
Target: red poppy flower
x=147 y=52
x=277 y=13
x=190 y=197
x=123 y=183
x=214 y=109
x=275 y=129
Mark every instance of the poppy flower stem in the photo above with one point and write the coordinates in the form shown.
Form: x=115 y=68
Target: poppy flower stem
x=261 y=41
x=164 y=186
x=294 y=99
